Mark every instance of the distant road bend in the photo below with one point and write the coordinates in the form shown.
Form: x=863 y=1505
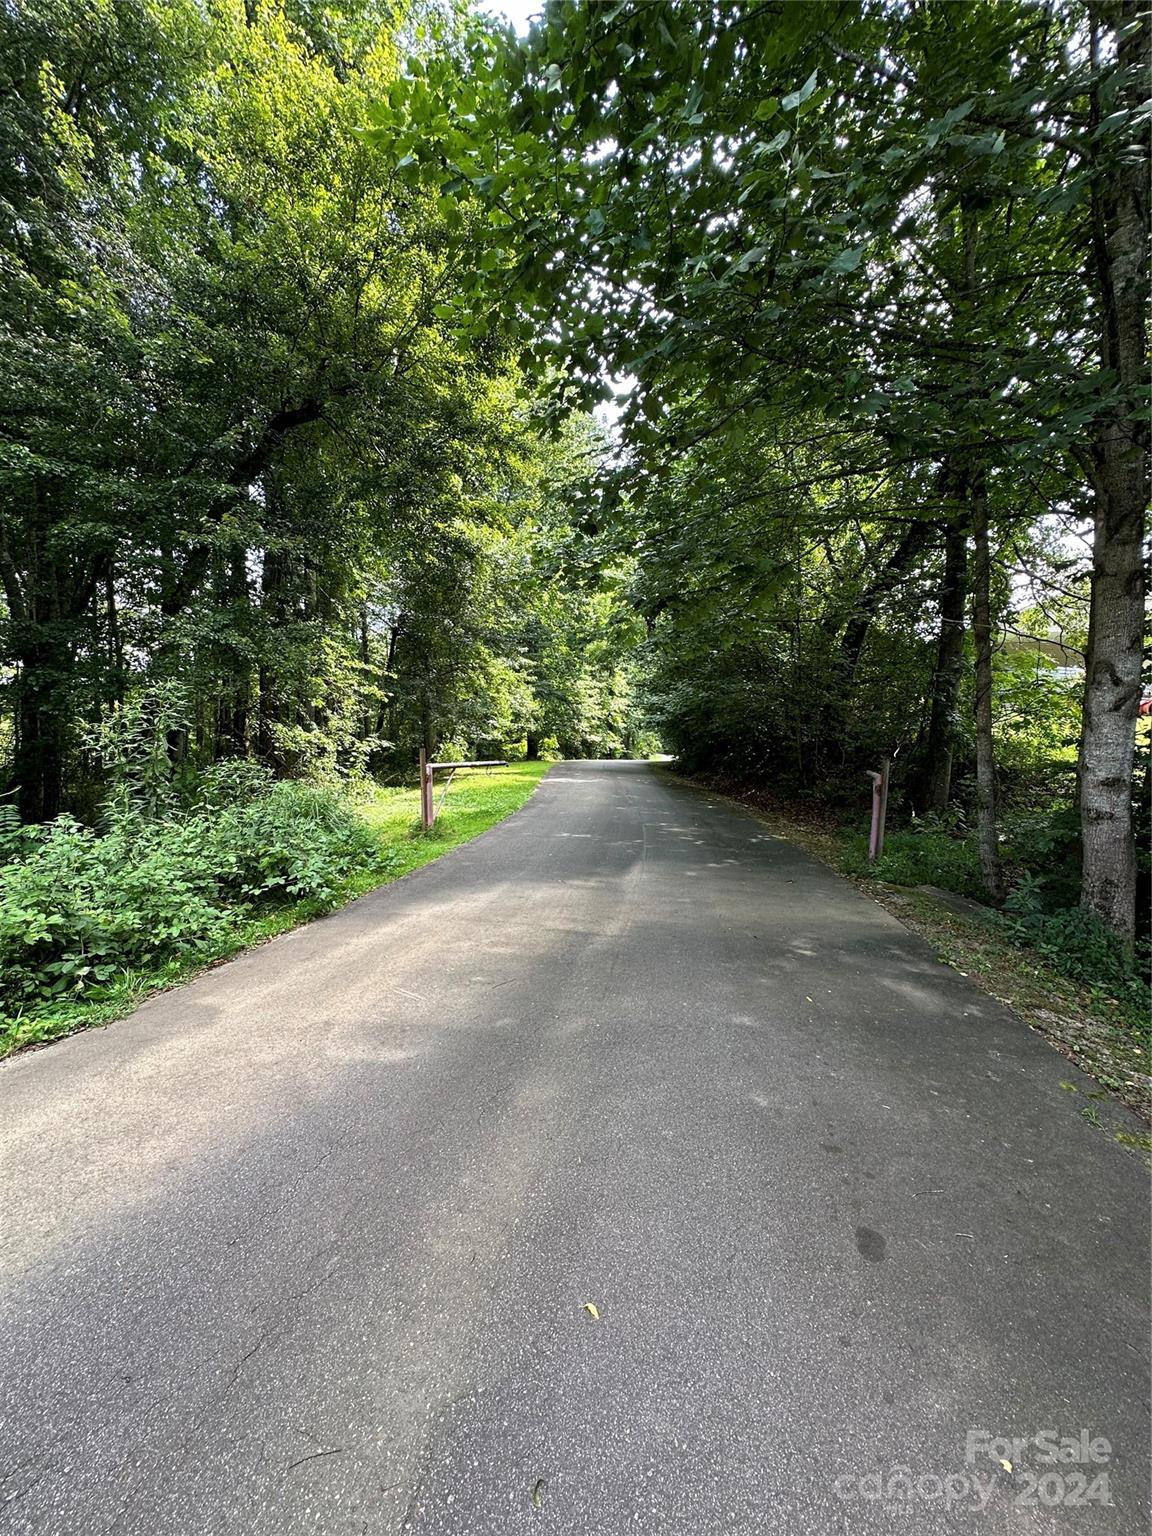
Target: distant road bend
x=307 y=1245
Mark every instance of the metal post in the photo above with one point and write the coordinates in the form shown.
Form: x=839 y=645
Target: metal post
x=427 y=782
x=427 y=808
x=879 y=809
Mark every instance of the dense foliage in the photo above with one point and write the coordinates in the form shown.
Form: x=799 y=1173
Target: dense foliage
x=243 y=447
x=267 y=511
x=876 y=275
x=79 y=908
x=304 y=310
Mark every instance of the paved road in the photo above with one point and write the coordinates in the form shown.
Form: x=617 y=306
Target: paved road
x=304 y=1247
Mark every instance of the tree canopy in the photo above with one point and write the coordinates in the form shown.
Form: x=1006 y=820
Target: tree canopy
x=306 y=310
x=877 y=277
x=243 y=449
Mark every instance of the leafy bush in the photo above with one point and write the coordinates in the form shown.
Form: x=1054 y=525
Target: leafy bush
x=1077 y=944
x=79 y=908
x=1042 y=855
x=131 y=745
x=234 y=781
x=923 y=858
x=1041 y=851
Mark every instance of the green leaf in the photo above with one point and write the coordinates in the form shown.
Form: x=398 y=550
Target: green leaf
x=797 y=98
x=847 y=260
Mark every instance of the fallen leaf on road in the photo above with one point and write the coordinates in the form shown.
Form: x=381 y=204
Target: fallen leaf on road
x=1007 y=1465
x=591 y=1308
x=538 y=1492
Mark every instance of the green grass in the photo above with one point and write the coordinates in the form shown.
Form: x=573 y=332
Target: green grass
x=475 y=801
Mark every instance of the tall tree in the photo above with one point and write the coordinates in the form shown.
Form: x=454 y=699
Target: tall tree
x=883 y=216
x=1118 y=173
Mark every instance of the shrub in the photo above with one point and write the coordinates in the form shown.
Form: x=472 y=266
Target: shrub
x=79 y=908
x=926 y=857
x=1042 y=854
x=132 y=748
x=1077 y=944
x=234 y=781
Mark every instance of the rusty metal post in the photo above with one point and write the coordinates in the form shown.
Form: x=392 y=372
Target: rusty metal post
x=879 y=809
x=428 y=782
x=427 y=807
x=874 y=833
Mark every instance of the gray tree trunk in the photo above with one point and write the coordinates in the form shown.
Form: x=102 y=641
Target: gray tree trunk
x=936 y=780
x=1119 y=474
x=987 y=832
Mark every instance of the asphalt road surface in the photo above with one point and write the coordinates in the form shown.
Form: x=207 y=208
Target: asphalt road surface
x=306 y=1246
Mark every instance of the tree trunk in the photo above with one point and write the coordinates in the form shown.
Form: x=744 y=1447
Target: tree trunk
x=889 y=577
x=1119 y=473
x=532 y=747
x=365 y=672
x=234 y=670
x=50 y=614
x=936 y=777
x=42 y=722
x=986 y=828
x=835 y=725
x=270 y=704
x=115 y=639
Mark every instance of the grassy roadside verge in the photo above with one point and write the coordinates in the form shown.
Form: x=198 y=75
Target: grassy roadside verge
x=475 y=802
x=1106 y=1038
